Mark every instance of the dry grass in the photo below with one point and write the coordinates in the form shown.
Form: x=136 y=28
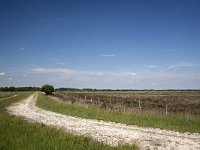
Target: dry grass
x=177 y=122
x=186 y=102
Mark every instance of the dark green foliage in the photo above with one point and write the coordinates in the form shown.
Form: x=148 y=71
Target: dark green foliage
x=19 y=88
x=48 y=89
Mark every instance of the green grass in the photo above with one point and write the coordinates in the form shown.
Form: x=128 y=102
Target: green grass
x=176 y=122
x=18 y=134
x=6 y=95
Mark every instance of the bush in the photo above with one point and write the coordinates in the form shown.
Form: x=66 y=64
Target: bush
x=48 y=89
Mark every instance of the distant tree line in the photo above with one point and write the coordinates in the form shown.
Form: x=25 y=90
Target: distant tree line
x=68 y=89
x=12 y=88
x=91 y=89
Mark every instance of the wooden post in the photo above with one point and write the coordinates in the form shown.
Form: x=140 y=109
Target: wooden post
x=85 y=98
x=110 y=104
x=139 y=105
x=91 y=100
x=166 y=107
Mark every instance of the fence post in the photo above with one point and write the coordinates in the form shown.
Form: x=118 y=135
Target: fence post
x=166 y=107
x=139 y=105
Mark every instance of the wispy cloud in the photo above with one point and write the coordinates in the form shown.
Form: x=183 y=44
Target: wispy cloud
x=181 y=64
x=152 y=66
x=10 y=78
x=60 y=63
x=99 y=74
x=2 y=73
x=108 y=55
x=132 y=74
x=52 y=70
x=161 y=77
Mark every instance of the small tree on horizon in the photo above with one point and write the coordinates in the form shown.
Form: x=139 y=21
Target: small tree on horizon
x=48 y=89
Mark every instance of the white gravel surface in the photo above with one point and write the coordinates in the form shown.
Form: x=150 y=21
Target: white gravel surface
x=109 y=133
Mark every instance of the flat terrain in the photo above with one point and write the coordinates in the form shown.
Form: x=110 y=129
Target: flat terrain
x=107 y=132
x=5 y=95
x=19 y=134
x=185 y=102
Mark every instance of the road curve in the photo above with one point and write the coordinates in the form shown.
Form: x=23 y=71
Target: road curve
x=109 y=133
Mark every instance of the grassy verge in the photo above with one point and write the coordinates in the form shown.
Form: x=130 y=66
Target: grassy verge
x=177 y=122
x=4 y=95
x=18 y=134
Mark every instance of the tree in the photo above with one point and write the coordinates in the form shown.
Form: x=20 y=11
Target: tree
x=48 y=89
x=12 y=88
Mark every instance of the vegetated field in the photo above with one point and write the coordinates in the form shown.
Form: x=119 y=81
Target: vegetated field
x=7 y=94
x=19 y=134
x=123 y=107
x=187 y=102
x=113 y=134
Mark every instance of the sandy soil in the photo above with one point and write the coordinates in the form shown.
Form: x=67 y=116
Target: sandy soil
x=109 y=133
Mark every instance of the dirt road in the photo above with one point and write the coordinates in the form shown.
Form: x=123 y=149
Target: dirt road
x=108 y=132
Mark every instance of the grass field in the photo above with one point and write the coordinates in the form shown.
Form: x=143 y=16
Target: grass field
x=18 y=134
x=177 y=122
x=7 y=94
x=187 y=102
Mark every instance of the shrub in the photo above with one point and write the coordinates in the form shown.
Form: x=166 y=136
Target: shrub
x=48 y=89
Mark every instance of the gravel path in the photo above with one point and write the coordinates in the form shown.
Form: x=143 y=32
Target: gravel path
x=108 y=132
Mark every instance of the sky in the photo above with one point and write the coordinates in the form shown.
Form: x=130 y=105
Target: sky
x=116 y=44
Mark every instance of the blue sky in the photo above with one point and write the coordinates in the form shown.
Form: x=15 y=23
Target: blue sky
x=143 y=44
